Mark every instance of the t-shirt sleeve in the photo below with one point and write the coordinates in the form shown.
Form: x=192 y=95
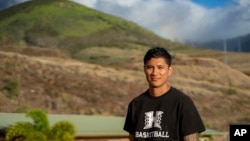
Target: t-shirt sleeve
x=128 y=125
x=191 y=121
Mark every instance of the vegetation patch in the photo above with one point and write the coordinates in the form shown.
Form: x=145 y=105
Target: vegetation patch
x=109 y=56
x=40 y=129
x=12 y=88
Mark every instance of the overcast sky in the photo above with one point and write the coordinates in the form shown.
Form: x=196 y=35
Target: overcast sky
x=182 y=20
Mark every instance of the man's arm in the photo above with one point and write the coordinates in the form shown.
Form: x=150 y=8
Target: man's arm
x=131 y=137
x=191 y=137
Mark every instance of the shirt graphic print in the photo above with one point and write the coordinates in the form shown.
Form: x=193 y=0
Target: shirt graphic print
x=152 y=122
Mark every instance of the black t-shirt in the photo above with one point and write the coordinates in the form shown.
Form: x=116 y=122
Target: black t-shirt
x=168 y=117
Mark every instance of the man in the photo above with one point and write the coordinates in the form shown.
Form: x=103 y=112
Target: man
x=162 y=113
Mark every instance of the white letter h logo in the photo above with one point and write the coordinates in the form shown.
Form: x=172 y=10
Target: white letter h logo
x=151 y=121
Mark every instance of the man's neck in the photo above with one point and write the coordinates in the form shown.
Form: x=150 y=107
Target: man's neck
x=156 y=92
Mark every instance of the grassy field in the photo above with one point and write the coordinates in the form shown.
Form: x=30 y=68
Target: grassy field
x=59 y=84
x=236 y=60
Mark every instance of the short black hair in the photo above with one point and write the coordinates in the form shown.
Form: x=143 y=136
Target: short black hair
x=157 y=52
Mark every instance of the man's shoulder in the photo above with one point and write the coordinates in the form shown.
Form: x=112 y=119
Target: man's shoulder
x=141 y=96
x=179 y=93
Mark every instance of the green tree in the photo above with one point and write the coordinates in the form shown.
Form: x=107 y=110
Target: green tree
x=39 y=129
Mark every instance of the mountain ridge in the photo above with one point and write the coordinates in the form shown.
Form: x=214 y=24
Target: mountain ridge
x=237 y=44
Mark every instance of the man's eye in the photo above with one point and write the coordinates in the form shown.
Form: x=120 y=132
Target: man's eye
x=149 y=67
x=161 y=67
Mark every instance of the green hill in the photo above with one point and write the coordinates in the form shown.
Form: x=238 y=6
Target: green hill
x=69 y=26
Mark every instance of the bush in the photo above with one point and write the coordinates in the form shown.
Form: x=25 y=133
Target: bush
x=231 y=91
x=62 y=131
x=39 y=129
x=13 y=88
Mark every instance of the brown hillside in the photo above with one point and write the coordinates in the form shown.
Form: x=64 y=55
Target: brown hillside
x=58 y=84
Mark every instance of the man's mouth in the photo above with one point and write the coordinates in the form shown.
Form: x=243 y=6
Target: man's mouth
x=154 y=79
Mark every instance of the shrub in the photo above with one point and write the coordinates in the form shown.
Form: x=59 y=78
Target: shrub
x=231 y=92
x=19 y=131
x=39 y=129
x=62 y=131
x=13 y=88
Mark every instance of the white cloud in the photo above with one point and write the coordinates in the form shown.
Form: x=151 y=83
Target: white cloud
x=243 y=2
x=89 y=3
x=126 y=3
x=180 y=19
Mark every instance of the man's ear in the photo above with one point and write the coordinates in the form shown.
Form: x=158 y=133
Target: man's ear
x=170 y=70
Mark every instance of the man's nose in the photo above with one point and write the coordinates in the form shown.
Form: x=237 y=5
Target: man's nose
x=155 y=71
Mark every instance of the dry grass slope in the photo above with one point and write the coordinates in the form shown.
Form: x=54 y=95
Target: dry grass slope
x=58 y=84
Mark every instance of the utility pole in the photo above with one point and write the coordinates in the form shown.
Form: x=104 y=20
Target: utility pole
x=225 y=50
x=239 y=44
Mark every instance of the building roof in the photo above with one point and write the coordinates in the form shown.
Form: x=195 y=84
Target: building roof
x=213 y=132
x=86 y=126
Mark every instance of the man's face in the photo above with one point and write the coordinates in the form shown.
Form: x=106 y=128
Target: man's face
x=157 y=72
